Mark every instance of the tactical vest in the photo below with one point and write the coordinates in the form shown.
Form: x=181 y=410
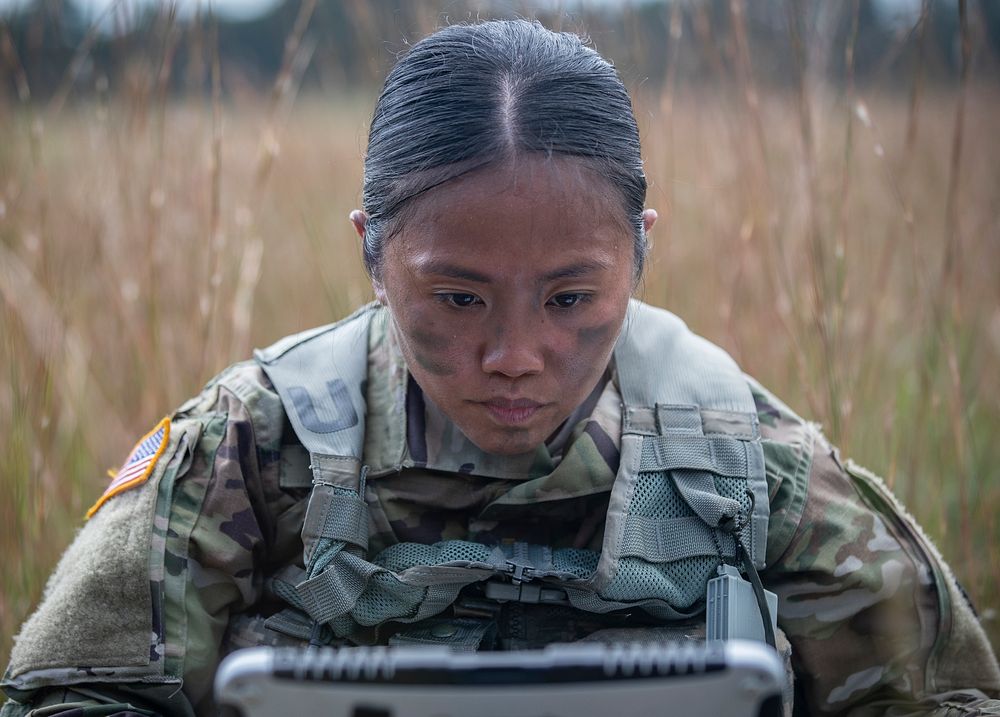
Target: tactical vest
x=690 y=489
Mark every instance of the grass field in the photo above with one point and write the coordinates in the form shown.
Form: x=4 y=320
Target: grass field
x=843 y=250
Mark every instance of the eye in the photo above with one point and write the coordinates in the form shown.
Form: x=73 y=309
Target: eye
x=458 y=299
x=567 y=301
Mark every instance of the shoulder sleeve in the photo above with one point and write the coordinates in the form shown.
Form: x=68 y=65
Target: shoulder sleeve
x=877 y=623
x=136 y=609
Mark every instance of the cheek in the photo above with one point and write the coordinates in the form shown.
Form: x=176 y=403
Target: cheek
x=433 y=351
x=584 y=352
x=431 y=344
x=597 y=338
x=594 y=340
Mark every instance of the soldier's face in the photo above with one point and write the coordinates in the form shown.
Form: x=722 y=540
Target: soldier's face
x=508 y=288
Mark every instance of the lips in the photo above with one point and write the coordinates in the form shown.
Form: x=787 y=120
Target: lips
x=511 y=411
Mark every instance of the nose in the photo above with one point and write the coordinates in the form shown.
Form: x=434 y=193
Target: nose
x=514 y=350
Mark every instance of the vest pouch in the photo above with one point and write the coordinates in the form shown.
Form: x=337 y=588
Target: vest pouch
x=681 y=501
x=667 y=550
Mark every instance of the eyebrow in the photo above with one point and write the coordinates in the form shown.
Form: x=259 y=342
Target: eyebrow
x=572 y=271
x=435 y=266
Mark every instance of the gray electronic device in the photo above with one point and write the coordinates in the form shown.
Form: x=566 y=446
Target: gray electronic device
x=736 y=678
x=731 y=610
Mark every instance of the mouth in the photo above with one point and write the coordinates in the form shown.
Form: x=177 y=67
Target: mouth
x=511 y=412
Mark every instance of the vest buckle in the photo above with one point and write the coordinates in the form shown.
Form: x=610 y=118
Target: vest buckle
x=519 y=572
x=520 y=592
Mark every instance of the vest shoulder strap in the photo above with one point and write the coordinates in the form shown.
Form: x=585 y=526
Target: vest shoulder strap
x=694 y=409
x=319 y=375
x=661 y=362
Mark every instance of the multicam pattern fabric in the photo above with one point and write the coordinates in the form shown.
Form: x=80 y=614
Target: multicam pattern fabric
x=876 y=622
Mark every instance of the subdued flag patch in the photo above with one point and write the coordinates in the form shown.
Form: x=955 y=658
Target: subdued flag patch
x=139 y=465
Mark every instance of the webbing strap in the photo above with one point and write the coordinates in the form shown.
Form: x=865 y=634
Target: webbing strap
x=348 y=580
x=290 y=622
x=698 y=490
x=435 y=575
x=662 y=540
x=335 y=591
x=340 y=471
x=678 y=420
x=282 y=584
x=336 y=514
x=718 y=454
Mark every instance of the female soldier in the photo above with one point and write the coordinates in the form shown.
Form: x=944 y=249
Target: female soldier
x=503 y=408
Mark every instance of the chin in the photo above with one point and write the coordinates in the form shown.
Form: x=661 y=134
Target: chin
x=512 y=443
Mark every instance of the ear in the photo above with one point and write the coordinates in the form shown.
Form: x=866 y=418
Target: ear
x=359 y=219
x=649 y=217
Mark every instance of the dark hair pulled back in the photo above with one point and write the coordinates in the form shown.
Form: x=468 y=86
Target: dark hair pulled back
x=472 y=95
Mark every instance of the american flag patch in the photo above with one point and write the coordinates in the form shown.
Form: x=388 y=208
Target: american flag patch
x=139 y=465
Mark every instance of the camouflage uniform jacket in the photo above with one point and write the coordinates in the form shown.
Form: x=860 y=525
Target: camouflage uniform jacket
x=169 y=576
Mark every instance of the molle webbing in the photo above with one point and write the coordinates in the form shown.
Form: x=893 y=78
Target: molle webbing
x=691 y=483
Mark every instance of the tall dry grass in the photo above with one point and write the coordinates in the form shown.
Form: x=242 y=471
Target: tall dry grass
x=843 y=246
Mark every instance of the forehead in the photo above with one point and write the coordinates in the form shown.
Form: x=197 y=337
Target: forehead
x=527 y=180
x=532 y=204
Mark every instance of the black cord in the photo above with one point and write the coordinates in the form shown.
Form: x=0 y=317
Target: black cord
x=758 y=591
x=315 y=635
x=751 y=571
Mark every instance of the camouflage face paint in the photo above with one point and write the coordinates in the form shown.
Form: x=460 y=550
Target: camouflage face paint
x=598 y=335
x=426 y=347
x=507 y=290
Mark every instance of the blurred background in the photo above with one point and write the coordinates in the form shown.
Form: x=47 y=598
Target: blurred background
x=175 y=180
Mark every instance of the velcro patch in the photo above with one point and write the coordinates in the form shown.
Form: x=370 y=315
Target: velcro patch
x=139 y=465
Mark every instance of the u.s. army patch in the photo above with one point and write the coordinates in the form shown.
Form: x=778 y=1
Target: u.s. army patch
x=139 y=465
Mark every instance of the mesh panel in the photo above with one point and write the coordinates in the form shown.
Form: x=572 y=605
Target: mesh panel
x=737 y=488
x=386 y=598
x=401 y=556
x=656 y=497
x=734 y=488
x=579 y=563
x=681 y=583
x=455 y=550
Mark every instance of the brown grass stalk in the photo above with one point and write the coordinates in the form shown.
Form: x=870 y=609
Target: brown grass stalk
x=11 y=59
x=917 y=89
x=76 y=65
x=216 y=236
x=951 y=280
x=836 y=300
x=823 y=318
x=55 y=342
